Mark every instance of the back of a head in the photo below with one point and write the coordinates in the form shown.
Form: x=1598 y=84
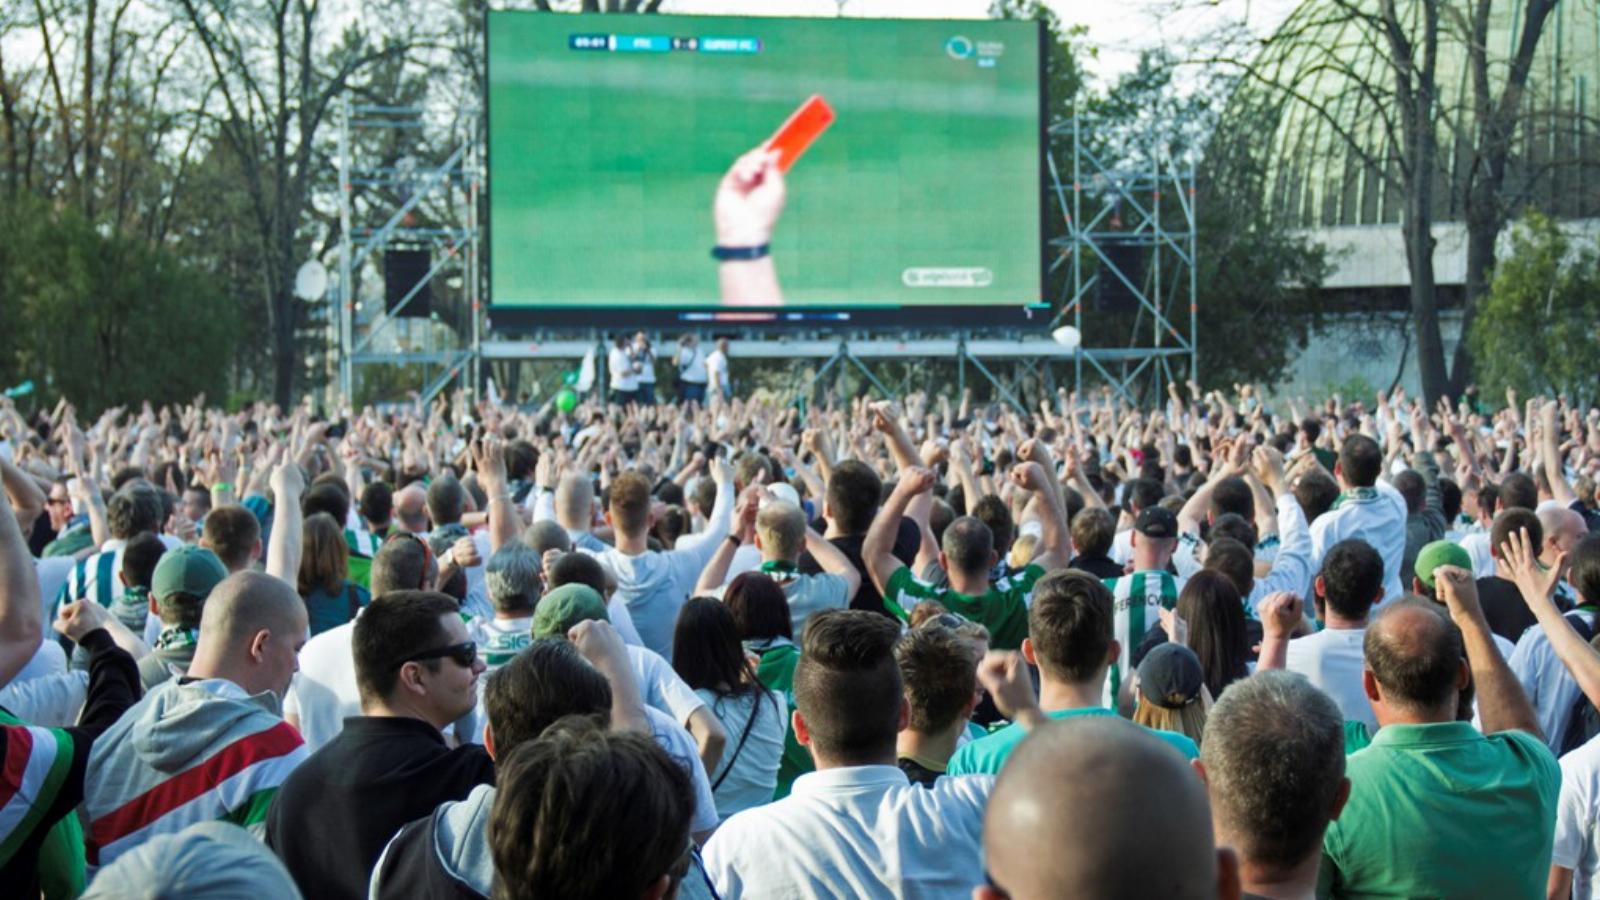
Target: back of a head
x=1070 y=625
x=1093 y=531
x=447 y=500
x=411 y=507
x=544 y=536
x=1415 y=653
x=403 y=563
x=1143 y=493
x=511 y=575
x=521 y=458
x=853 y=494
x=139 y=558
x=577 y=568
x=1234 y=560
x=231 y=532
x=211 y=860
x=781 y=526
x=1158 y=842
x=134 y=508
x=1233 y=526
x=1209 y=603
x=847 y=686
x=393 y=627
x=539 y=686
x=760 y=607
x=326 y=497
x=1274 y=765
x=1316 y=492
x=939 y=671
x=1518 y=491
x=1233 y=495
x=574 y=498
x=1584 y=571
x=1412 y=489
x=747 y=467
x=1360 y=461
x=325 y=557
x=706 y=652
x=1352 y=578
x=1449 y=499
x=588 y=814
x=1311 y=428
x=377 y=503
x=630 y=503
x=969 y=546
x=244 y=604
x=993 y=512
x=1511 y=520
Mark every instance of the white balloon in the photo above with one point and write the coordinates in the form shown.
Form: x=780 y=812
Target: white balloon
x=1068 y=337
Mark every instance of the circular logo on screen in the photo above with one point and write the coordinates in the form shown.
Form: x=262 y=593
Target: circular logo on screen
x=958 y=47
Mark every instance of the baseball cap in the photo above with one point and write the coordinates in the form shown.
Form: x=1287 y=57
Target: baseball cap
x=565 y=607
x=187 y=570
x=1440 y=553
x=782 y=491
x=1170 y=676
x=1156 y=522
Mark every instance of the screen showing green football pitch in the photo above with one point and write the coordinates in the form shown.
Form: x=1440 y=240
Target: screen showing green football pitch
x=763 y=169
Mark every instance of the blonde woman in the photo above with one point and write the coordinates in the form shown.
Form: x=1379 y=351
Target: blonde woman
x=1171 y=692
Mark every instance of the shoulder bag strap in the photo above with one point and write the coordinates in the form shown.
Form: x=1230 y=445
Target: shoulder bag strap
x=760 y=695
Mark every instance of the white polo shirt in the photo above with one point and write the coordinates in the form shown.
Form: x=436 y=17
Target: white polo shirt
x=1577 y=845
x=861 y=831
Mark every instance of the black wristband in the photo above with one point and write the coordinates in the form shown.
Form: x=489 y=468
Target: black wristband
x=727 y=254
x=735 y=539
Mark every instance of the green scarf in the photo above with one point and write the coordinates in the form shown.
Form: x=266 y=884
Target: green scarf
x=1356 y=495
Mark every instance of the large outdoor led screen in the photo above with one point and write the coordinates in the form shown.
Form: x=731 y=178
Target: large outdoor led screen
x=610 y=137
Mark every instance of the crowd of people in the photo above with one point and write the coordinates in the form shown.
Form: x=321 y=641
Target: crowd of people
x=1221 y=647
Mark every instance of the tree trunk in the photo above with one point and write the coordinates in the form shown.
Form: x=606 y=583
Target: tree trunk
x=1482 y=233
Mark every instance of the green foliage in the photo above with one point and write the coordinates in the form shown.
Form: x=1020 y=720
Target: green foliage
x=1535 y=328
x=104 y=319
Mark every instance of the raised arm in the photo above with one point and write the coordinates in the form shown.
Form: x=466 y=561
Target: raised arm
x=283 y=556
x=1037 y=474
x=1550 y=456
x=715 y=574
x=1280 y=615
x=1502 y=705
x=489 y=456
x=21 y=613
x=27 y=501
x=833 y=561
x=877 y=548
x=1536 y=584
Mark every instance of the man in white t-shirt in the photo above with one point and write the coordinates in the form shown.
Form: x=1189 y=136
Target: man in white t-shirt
x=644 y=360
x=856 y=827
x=623 y=370
x=1575 y=862
x=692 y=373
x=1367 y=508
x=717 y=371
x=1350 y=582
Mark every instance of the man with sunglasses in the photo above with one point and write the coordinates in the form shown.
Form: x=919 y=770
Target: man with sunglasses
x=417 y=671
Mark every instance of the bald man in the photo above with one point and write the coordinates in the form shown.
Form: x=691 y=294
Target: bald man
x=411 y=509
x=1154 y=840
x=1563 y=529
x=1437 y=809
x=210 y=745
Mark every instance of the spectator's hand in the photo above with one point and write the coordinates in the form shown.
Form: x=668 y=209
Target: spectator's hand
x=1004 y=674
x=489 y=458
x=721 y=472
x=1533 y=581
x=1030 y=476
x=181 y=527
x=749 y=200
x=1268 y=465
x=1281 y=613
x=549 y=559
x=915 y=480
x=465 y=553
x=288 y=481
x=1034 y=450
x=74 y=620
x=599 y=643
x=1459 y=592
x=883 y=417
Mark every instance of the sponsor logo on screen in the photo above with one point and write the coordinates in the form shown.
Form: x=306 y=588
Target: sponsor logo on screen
x=984 y=53
x=947 y=277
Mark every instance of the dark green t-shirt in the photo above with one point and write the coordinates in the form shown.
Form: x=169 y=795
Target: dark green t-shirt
x=1003 y=610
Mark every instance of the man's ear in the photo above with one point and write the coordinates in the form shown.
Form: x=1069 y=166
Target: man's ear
x=1229 y=887
x=155 y=608
x=994 y=558
x=802 y=734
x=1369 y=686
x=944 y=561
x=1339 y=799
x=1200 y=771
x=1321 y=587
x=1463 y=676
x=607 y=516
x=258 y=644
x=1113 y=653
x=905 y=714
x=488 y=739
x=122 y=578
x=1028 y=652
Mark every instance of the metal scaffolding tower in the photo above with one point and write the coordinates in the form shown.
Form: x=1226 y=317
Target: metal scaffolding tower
x=1134 y=227
x=453 y=241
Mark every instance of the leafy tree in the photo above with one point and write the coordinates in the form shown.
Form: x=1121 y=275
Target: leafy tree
x=1535 y=327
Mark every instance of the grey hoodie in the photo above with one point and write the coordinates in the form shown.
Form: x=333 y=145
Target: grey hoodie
x=455 y=841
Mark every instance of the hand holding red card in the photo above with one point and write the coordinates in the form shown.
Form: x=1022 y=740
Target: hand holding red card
x=803 y=127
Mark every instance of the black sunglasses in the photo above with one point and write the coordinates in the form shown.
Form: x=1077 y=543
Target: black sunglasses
x=464 y=655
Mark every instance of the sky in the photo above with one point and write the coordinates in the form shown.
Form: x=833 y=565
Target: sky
x=1118 y=28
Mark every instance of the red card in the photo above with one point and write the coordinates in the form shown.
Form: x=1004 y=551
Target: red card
x=805 y=125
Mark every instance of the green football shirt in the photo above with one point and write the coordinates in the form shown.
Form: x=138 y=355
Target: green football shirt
x=1003 y=610
x=775 y=671
x=1440 y=810
x=986 y=755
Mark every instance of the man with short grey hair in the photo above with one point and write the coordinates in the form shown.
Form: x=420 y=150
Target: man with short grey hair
x=1273 y=765
x=514 y=583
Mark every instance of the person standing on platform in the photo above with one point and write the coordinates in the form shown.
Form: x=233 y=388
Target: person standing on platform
x=691 y=370
x=644 y=362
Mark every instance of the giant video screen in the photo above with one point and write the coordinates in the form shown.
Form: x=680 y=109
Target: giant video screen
x=758 y=170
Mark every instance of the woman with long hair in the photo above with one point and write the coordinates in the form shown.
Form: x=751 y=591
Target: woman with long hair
x=1209 y=605
x=1171 y=692
x=708 y=656
x=332 y=599
x=761 y=613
